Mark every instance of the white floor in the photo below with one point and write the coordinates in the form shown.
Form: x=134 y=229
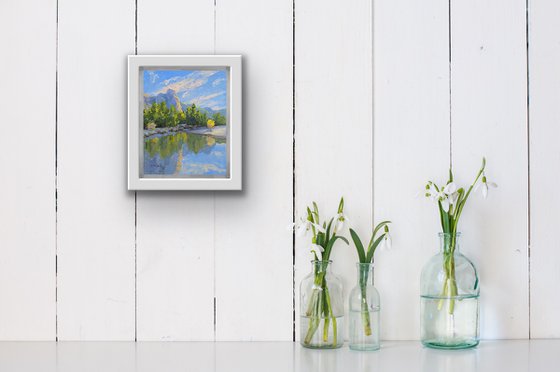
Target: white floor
x=495 y=356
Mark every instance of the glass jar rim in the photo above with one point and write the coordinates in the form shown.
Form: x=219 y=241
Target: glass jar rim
x=359 y=264
x=442 y=234
x=321 y=261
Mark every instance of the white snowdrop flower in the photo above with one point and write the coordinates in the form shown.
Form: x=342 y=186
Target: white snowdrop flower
x=484 y=185
x=340 y=221
x=303 y=226
x=387 y=242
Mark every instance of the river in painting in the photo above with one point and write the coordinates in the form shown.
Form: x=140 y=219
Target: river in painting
x=184 y=154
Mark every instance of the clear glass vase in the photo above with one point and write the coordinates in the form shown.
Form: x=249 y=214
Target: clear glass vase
x=321 y=308
x=364 y=311
x=449 y=298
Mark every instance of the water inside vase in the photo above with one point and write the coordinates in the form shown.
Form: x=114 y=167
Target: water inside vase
x=449 y=322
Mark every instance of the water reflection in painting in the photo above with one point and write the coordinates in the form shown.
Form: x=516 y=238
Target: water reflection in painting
x=185 y=154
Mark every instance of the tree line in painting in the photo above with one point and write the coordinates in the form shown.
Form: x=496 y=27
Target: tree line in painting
x=159 y=115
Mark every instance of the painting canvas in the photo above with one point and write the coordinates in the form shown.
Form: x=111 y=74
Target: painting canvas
x=185 y=122
x=185 y=113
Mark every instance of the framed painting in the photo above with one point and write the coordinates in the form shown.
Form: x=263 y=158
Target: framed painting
x=184 y=122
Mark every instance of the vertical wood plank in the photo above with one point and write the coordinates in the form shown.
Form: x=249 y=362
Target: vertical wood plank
x=544 y=82
x=255 y=304
x=95 y=211
x=333 y=132
x=175 y=241
x=411 y=146
x=489 y=117
x=27 y=220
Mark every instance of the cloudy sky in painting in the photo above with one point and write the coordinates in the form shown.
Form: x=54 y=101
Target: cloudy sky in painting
x=205 y=88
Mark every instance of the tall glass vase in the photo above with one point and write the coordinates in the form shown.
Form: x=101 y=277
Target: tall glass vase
x=449 y=298
x=321 y=308
x=364 y=311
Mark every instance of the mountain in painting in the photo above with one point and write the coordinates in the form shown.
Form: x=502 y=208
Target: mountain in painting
x=170 y=98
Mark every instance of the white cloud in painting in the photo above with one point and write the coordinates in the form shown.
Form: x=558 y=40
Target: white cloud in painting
x=152 y=76
x=217 y=82
x=199 y=101
x=193 y=81
x=216 y=106
x=170 y=80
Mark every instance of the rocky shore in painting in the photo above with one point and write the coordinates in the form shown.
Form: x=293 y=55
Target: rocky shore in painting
x=219 y=132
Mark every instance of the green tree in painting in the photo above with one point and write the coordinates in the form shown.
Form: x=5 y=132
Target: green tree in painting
x=160 y=116
x=182 y=117
x=191 y=115
x=219 y=119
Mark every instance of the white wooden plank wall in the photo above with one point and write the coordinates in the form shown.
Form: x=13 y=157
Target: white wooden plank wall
x=489 y=117
x=175 y=246
x=333 y=122
x=411 y=145
x=95 y=229
x=448 y=82
x=250 y=225
x=544 y=79
x=27 y=196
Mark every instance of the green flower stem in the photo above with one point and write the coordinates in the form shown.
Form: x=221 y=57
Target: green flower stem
x=329 y=313
x=365 y=308
x=365 y=312
x=320 y=308
x=449 y=221
x=314 y=314
x=450 y=289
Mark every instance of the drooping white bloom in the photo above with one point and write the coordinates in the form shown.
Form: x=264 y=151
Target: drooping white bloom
x=317 y=248
x=303 y=226
x=447 y=195
x=450 y=188
x=484 y=185
x=340 y=221
x=445 y=204
x=387 y=242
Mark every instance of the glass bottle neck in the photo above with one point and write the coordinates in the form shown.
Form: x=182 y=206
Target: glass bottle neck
x=449 y=242
x=318 y=267
x=365 y=273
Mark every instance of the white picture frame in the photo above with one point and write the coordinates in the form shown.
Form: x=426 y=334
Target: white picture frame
x=139 y=130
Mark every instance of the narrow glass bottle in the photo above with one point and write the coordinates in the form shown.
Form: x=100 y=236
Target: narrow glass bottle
x=364 y=311
x=321 y=308
x=449 y=298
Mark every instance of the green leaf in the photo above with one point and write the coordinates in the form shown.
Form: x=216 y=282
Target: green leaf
x=379 y=226
x=450 y=175
x=309 y=215
x=320 y=239
x=341 y=205
x=371 y=251
x=359 y=246
x=330 y=245
x=343 y=239
x=329 y=228
x=444 y=218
